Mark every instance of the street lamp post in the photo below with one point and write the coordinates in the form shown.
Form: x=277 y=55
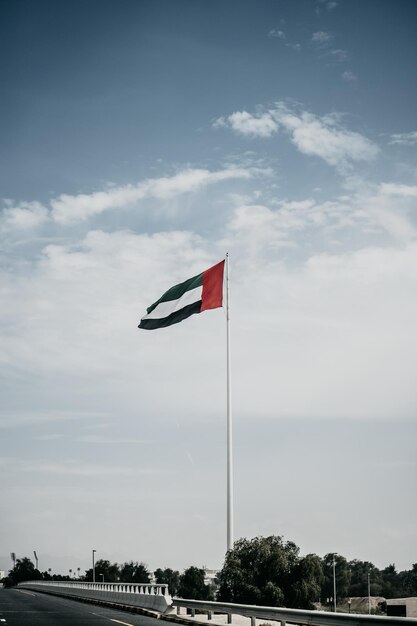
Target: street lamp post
x=94 y=567
x=334 y=582
x=369 y=593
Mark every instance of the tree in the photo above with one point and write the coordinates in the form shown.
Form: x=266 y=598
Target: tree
x=134 y=573
x=168 y=577
x=259 y=571
x=408 y=580
x=105 y=569
x=23 y=570
x=308 y=577
x=359 y=571
x=192 y=586
x=342 y=577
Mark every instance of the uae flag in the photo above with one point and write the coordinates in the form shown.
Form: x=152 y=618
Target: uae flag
x=194 y=295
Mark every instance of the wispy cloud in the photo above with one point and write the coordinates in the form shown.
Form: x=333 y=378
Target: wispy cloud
x=67 y=209
x=262 y=125
x=26 y=215
x=73 y=467
x=395 y=189
x=328 y=4
x=97 y=439
x=339 y=55
x=349 y=76
x=277 y=33
x=48 y=437
x=294 y=46
x=312 y=135
x=321 y=37
x=325 y=137
x=16 y=419
x=404 y=139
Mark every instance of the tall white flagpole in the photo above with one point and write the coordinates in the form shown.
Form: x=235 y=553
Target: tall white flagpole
x=229 y=420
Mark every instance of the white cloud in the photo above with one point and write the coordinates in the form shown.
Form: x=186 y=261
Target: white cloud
x=300 y=318
x=294 y=46
x=339 y=55
x=100 y=439
x=26 y=215
x=74 y=468
x=349 y=76
x=329 y=4
x=389 y=208
x=395 y=189
x=321 y=37
x=67 y=209
x=325 y=137
x=244 y=123
x=29 y=417
x=385 y=210
x=258 y=229
x=77 y=296
x=404 y=139
x=279 y=34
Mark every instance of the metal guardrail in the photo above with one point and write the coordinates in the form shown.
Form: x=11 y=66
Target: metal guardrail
x=292 y=616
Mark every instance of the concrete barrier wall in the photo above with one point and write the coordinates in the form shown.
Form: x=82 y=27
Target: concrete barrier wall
x=146 y=596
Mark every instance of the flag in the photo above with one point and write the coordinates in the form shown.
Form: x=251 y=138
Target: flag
x=194 y=295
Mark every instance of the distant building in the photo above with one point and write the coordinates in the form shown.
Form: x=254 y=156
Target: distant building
x=210 y=576
x=402 y=607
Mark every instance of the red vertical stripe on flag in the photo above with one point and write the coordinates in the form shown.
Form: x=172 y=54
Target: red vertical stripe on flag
x=212 y=296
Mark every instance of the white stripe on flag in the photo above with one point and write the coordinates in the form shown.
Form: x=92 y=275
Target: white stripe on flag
x=166 y=308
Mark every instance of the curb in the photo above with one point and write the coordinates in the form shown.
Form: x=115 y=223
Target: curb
x=180 y=619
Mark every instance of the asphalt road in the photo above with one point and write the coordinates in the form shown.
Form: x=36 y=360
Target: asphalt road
x=27 y=608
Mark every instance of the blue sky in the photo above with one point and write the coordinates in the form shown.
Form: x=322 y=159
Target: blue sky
x=140 y=142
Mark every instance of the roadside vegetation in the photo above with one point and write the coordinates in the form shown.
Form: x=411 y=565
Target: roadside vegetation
x=263 y=570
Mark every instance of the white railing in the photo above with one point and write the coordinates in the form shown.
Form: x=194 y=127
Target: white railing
x=284 y=615
x=143 y=588
x=143 y=595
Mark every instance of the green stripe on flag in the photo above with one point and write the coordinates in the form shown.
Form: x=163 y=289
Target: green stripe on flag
x=177 y=291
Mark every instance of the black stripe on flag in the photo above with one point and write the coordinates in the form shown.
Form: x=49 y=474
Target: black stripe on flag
x=173 y=318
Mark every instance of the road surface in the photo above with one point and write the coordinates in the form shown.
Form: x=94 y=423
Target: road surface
x=20 y=607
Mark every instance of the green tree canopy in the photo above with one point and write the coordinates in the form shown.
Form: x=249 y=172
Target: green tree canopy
x=134 y=572
x=103 y=569
x=192 y=586
x=259 y=571
x=342 y=577
x=358 y=585
x=307 y=580
x=408 y=580
x=23 y=570
x=168 y=577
